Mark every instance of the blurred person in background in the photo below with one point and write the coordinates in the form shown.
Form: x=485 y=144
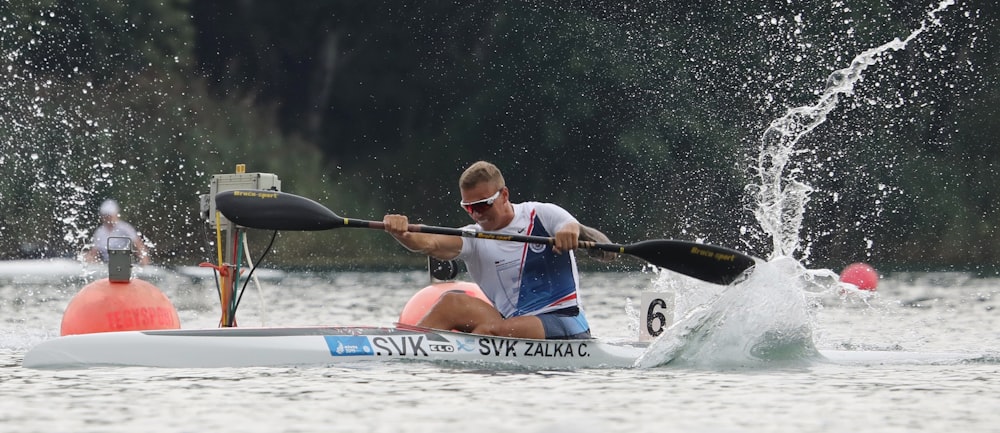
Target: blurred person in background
x=113 y=227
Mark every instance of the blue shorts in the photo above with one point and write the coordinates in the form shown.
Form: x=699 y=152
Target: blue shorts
x=565 y=324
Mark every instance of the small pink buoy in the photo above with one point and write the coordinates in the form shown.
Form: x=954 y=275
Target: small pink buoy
x=860 y=274
x=422 y=301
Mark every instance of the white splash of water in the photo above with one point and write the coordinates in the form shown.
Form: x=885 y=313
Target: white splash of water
x=781 y=197
x=768 y=317
x=64 y=118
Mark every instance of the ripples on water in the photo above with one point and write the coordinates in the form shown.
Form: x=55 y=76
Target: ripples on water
x=915 y=312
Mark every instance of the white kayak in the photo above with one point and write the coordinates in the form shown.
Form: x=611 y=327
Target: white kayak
x=246 y=347
x=322 y=346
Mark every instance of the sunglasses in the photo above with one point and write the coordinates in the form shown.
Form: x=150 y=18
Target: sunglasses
x=480 y=205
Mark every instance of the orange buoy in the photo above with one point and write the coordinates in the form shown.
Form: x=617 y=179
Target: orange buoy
x=105 y=306
x=422 y=301
x=860 y=274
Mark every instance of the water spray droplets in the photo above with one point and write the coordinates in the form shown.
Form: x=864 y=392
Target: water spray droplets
x=781 y=196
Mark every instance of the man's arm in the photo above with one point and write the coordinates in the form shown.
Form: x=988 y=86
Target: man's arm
x=441 y=247
x=567 y=237
x=592 y=234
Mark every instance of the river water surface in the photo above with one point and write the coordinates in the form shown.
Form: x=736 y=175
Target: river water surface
x=911 y=313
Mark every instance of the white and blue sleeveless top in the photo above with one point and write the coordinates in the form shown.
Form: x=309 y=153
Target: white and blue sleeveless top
x=524 y=279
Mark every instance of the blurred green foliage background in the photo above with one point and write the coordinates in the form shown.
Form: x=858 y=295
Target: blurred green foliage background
x=643 y=119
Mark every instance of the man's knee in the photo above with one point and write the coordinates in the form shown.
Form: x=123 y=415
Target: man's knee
x=451 y=300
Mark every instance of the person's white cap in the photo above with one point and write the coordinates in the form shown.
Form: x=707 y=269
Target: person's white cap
x=109 y=207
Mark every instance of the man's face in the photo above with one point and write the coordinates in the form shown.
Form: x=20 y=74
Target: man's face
x=485 y=204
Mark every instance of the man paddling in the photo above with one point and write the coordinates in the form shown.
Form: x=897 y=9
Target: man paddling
x=533 y=287
x=113 y=227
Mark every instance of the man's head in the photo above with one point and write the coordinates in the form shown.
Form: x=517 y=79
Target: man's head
x=109 y=210
x=480 y=172
x=485 y=196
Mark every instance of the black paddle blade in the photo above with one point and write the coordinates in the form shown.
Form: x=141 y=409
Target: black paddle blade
x=273 y=210
x=705 y=262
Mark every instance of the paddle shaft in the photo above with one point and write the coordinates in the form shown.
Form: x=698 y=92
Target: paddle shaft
x=448 y=231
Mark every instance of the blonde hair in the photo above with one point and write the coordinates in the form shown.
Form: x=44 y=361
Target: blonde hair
x=479 y=172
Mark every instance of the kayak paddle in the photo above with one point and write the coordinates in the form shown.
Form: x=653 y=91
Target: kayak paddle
x=273 y=210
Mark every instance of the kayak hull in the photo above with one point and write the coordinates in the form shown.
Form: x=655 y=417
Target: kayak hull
x=251 y=347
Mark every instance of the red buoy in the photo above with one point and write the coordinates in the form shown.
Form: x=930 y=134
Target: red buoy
x=860 y=274
x=105 y=306
x=422 y=301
